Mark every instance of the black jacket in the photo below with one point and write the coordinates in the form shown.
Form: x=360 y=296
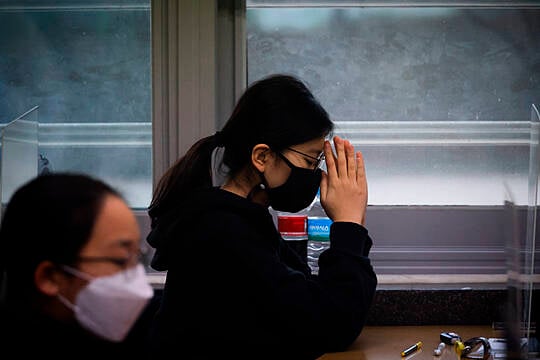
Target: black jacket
x=235 y=288
x=26 y=334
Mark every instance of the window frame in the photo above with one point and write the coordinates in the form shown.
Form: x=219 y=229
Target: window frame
x=200 y=72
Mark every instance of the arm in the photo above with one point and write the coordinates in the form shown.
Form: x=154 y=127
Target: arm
x=311 y=315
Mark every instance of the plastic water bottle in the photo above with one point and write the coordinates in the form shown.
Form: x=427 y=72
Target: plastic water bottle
x=318 y=231
x=293 y=229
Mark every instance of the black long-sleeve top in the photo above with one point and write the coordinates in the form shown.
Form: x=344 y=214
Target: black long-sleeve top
x=29 y=334
x=235 y=288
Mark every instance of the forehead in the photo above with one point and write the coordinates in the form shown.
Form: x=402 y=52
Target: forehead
x=314 y=146
x=115 y=228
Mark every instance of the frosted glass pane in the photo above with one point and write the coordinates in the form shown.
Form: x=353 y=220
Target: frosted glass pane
x=90 y=65
x=119 y=153
x=19 y=161
x=437 y=98
x=443 y=163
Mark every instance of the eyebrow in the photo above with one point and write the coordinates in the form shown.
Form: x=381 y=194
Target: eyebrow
x=123 y=243
x=314 y=149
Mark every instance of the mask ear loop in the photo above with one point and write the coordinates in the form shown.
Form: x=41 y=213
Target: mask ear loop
x=77 y=273
x=66 y=302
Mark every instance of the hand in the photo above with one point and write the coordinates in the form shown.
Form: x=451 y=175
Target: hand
x=344 y=190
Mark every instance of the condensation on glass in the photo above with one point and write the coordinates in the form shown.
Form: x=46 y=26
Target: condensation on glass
x=19 y=153
x=87 y=66
x=437 y=98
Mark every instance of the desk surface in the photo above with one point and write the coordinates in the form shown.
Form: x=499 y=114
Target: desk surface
x=387 y=342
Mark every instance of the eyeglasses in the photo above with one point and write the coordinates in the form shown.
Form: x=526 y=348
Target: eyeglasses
x=317 y=160
x=122 y=262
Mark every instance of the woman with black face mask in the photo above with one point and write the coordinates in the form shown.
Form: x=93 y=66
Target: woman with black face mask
x=234 y=288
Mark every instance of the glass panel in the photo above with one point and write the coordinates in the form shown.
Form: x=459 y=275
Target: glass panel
x=514 y=305
x=530 y=251
x=437 y=98
x=318 y=3
x=119 y=153
x=19 y=161
x=521 y=234
x=442 y=162
x=89 y=73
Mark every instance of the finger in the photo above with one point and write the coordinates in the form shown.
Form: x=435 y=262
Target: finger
x=324 y=185
x=360 y=169
x=351 y=162
x=330 y=159
x=339 y=144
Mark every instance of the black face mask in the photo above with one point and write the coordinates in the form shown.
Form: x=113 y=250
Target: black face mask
x=298 y=191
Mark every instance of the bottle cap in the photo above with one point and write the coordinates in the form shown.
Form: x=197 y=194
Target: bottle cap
x=292 y=225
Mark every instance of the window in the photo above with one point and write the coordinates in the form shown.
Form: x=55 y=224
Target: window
x=86 y=66
x=438 y=97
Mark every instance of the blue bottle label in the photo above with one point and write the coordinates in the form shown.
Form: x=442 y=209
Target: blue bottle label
x=318 y=228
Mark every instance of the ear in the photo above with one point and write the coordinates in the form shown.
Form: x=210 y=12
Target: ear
x=47 y=278
x=260 y=156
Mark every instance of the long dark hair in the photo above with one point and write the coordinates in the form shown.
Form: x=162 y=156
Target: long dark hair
x=51 y=217
x=278 y=110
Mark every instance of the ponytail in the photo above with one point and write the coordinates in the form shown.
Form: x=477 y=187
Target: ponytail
x=192 y=171
x=278 y=110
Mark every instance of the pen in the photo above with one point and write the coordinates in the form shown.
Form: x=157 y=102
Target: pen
x=411 y=349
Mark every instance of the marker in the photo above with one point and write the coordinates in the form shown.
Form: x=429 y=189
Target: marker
x=411 y=349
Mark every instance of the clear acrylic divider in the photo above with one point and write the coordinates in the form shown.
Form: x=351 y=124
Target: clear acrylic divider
x=19 y=161
x=531 y=275
x=521 y=238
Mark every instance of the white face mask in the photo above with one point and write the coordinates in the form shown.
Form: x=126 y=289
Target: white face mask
x=109 y=305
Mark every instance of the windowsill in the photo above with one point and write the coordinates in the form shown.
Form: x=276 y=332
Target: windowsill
x=442 y=282
x=427 y=299
x=410 y=282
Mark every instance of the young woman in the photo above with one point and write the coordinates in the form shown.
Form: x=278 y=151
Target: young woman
x=73 y=285
x=234 y=287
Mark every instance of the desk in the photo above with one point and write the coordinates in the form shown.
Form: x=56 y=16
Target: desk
x=387 y=342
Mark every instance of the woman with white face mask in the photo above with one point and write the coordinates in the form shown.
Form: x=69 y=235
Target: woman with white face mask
x=72 y=283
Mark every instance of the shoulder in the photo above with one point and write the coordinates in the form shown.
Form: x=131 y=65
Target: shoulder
x=228 y=213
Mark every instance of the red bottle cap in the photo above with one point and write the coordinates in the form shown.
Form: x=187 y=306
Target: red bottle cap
x=292 y=225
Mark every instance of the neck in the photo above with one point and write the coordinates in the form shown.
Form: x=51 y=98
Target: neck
x=246 y=189
x=236 y=187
